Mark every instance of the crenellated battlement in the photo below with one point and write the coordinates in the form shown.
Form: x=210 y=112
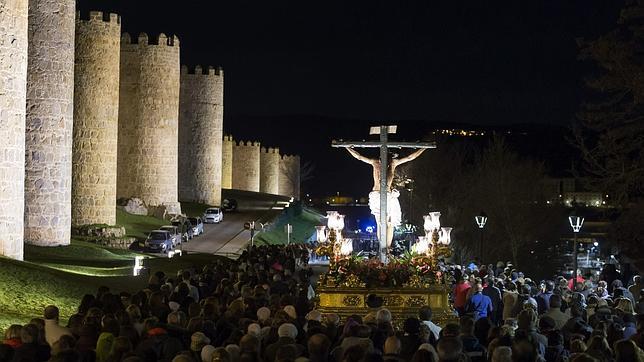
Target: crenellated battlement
x=290 y=157
x=270 y=150
x=228 y=138
x=248 y=144
x=199 y=70
x=144 y=40
x=93 y=16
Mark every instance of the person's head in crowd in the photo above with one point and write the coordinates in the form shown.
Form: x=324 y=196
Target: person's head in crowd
x=527 y=319
x=383 y=316
x=234 y=351
x=249 y=344
x=424 y=355
x=425 y=313
x=51 y=313
x=577 y=346
x=120 y=347
x=451 y=330
x=206 y=353
x=354 y=353
x=524 y=349
x=64 y=344
x=13 y=334
x=220 y=355
x=411 y=326
x=450 y=349
x=466 y=324
x=392 y=345
x=627 y=350
x=331 y=319
x=318 y=346
x=198 y=340
x=287 y=330
x=625 y=306
x=502 y=354
x=263 y=314
x=555 y=301
x=546 y=324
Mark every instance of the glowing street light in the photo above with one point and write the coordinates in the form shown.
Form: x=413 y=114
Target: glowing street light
x=481 y=220
x=576 y=222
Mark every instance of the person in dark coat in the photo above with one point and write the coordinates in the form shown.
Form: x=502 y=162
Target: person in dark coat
x=494 y=294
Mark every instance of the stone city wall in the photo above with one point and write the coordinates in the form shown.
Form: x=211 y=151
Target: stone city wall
x=148 y=121
x=49 y=121
x=201 y=135
x=246 y=166
x=13 y=85
x=289 y=178
x=269 y=161
x=96 y=101
x=227 y=162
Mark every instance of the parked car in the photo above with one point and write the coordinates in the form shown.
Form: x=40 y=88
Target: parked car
x=213 y=215
x=229 y=205
x=159 y=241
x=197 y=225
x=185 y=227
x=174 y=233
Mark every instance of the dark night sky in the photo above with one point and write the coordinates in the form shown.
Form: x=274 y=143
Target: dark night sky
x=479 y=62
x=474 y=61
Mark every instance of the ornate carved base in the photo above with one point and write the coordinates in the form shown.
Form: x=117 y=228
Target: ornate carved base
x=402 y=302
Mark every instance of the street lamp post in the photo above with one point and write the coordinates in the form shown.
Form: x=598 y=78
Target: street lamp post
x=576 y=223
x=481 y=219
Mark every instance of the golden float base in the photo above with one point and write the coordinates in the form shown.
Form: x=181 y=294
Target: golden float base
x=403 y=302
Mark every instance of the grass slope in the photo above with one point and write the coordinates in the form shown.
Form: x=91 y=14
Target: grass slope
x=138 y=226
x=304 y=224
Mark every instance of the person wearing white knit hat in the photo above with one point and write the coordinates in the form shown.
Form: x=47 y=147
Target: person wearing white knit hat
x=290 y=310
x=206 y=353
x=263 y=314
x=255 y=329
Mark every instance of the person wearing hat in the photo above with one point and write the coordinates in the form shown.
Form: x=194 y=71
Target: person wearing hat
x=198 y=341
x=287 y=334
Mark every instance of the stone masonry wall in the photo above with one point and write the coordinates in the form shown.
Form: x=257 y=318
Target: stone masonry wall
x=49 y=121
x=269 y=161
x=148 y=121
x=227 y=162
x=246 y=166
x=96 y=101
x=289 y=178
x=13 y=88
x=201 y=135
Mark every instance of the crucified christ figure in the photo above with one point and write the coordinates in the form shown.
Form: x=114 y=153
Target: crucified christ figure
x=393 y=206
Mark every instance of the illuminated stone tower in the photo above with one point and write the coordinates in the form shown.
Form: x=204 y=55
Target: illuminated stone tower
x=148 y=121
x=49 y=121
x=13 y=88
x=227 y=162
x=96 y=101
x=289 y=178
x=269 y=161
x=246 y=166
x=201 y=121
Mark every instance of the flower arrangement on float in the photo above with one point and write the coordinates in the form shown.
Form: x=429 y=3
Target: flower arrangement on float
x=417 y=268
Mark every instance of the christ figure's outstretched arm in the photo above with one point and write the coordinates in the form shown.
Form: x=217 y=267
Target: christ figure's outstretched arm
x=358 y=156
x=412 y=156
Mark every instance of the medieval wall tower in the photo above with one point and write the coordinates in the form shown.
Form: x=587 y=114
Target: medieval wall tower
x=49 y=121
x=246 y=166
x=148 y=121
x=227 y=162
x=96 y=101
x=13 y=82
x=201 y=121
x=289 y=178
x=269 y=161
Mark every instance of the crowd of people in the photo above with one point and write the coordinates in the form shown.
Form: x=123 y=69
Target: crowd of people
x=260 y=308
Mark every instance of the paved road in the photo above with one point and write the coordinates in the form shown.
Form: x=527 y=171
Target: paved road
x=229 y=237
